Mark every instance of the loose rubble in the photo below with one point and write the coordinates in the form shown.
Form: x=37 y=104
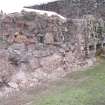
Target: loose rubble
x=39 y=48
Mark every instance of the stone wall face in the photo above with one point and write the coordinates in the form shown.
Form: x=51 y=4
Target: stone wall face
x=39 y=48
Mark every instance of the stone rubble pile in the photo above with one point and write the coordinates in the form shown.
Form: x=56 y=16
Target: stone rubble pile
x=39 y=48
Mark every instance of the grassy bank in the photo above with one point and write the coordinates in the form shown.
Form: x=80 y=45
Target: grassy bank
x=79 y=88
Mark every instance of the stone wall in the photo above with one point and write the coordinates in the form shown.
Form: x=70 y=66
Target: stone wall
x=36 y=48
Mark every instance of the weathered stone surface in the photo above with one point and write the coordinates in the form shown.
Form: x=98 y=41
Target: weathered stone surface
x=39 y=74
x=17 y=49
x=40 y=48
x=49 y=38
x=19 y=38
x=51 y=63
x=34 y=63
x=58 y=73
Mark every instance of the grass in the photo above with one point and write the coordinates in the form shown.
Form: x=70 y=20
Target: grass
x=78 y=88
